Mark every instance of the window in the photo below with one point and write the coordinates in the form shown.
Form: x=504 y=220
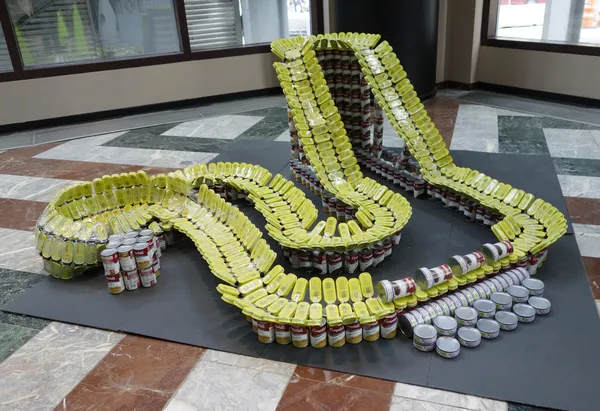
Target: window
x=5 y=64
x=575 y=22
x=55 y=32
x=230 y=23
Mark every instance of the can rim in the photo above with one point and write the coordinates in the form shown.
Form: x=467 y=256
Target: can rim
x=487 y=325
x=506 y=318
x=524 y=310
x=447 y=344
x=535 y=302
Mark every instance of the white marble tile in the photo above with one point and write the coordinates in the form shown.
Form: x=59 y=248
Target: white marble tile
x=44 y=370
x=242 y=361
x=579 y=186
x=130 y=156
x=88 y=142
x=476 y=129
x=588 y=239
x=596 y=136
x=17 y=251
x=30 y=188
x=447 y=398
x=571 y=143
x=598 y=306
x=402 y=404
x=285 y=136
x=431 y=406
x=223 y=127
x=215 y=386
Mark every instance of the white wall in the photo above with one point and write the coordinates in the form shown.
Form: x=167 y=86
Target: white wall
x=51 y=97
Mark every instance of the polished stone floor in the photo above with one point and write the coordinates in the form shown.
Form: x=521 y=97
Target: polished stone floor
x=49 y=365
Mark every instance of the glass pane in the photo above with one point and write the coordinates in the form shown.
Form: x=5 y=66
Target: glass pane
x=564 y=21
x=51 y=32
x=229 y=23
x=5 y=64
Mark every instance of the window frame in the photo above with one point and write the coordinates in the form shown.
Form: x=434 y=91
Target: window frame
x=186 y=53
x=488 y=37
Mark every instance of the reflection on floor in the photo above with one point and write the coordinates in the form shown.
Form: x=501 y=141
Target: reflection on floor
x=57 y=366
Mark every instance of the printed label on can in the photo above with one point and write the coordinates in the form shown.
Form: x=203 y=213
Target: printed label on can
x=143 y=257
x=110 y=261
x=132 y=279
x=126 y=258
x=318 y=336
x=350 y=261
x=266 y=332
x=354 y=333
x=115 y=283
x=147 y=277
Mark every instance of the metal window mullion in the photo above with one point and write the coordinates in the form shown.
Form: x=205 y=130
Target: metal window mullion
x=11 y=39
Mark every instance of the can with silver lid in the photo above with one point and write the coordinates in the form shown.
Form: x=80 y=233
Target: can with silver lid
x=471 y=295
x=115 y=238
x=129 y=241
x=486 y=288
x=113 y=244
x=146 y=233
x=436 y=307
x=131 y=234
x=468 y=337
x=499 y=286
x=522 y=273
x=390 y=290
x=534 y=286
x=480 y=290
x=424 y=313
x=491 y=285
x=503 y=301
x=503 y=281
x=447 y=347
x=488 y=328
x=494 y=252
x=541 y=305
x=514 y=277
x=126 y=258
x=406 y=323
x=445 y=325
x=465 y=316
x=424 y=348
x=508 y=321
x=518 y=293
x=525 y=313
x=428 y=277
x=424 y=334
x=446 y=309
x=460 y=265
x=485 y=308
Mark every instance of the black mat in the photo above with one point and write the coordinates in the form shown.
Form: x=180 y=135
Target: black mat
x=551 y=362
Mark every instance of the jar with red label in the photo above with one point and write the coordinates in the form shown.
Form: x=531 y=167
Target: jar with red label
x=318 y=335
x=365 y=259
x=283 y=335
x=378 y=254
x=388 y=326
x=354 y=333
x=319 y=262
x=299 y=336
x=334 y=262
x=350 y=261
x=371 y=331
x=266 y=331
x=336 y=335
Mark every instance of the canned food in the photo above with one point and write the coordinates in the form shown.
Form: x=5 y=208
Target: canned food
x=388 y=326
x=115 y=283
x=371 y=331
x=485 y=308
x=480 y=291
x=488 y=328
x=266 y=331
x=471 y=295
x=486 y=289
x=146 y=233
x=354 y=333
x=447 y=347
x=534 y=286
x=283 y=335
x=503 y=301
x=445 y=325
x=318 y=336
x=469 y=337
x=491 y=285
x=126 y=258
x=541 y=305
x=425 y=315
x=508 y=321
x=518 y=293
x=494 y=252
x=143 y=257
x=497 y=284
x=460 y=265
x=115 y=238
x=461 y=298
x=299 y=336
x=147 y=277
x=110 y=261
x=113 y=244
x=406 y=323
x=444 y=304
x=428 y=277
x=505 y=284
x=131 y=279
x=422 y=347
x=525 y=313
x=514 y=277
x=390 y=290
x=129 y=241
x=465 y=316
x=156 y=268
x=132 y=234
x=424 y=334
x=161 y=242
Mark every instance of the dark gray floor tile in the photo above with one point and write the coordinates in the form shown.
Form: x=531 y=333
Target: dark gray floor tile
x=12 y=337
x=274 y=112
x=13 y=283
x=268 y=128
x=522 y=141
x=522 y=122
x=158 y=142
x=577 y=166
x=8 y=141
x=513 y=406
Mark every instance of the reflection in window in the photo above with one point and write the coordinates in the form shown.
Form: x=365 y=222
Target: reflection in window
x=564 y=21
x=230 y=23
x=51 y=32
x=5 y=64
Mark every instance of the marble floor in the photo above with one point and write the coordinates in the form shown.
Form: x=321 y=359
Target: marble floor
x=48 y=365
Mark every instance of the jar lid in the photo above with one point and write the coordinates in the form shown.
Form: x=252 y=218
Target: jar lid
x=108 y=251
x=445 y=322
x=485 y=306
x=518 y=291
x=501 y=298
x=425 y=331
x=506 y=317
x=524 y=310
x=488 y=326
x=533 y=284
x=539 y=303
x=469 y=334
x=465 y=313
x=125 y=248
x=447 y=344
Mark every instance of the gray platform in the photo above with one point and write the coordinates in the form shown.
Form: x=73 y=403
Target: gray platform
x=551 y=362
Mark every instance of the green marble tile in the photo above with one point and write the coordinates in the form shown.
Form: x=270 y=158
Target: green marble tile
x=12 y=337
x=12 y=284
x=577 y=166
x=522 y=141
x=521 y=122
x=268 y=128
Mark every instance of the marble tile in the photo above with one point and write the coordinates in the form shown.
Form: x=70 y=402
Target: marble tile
x=272 y=112
x=88 y=142
x=212 y=385
x=588 y=239
x=131 y=156
x=571 y=143
x=20 y=214
x=285 y=136
x=28 y=151
x=476 y=129
x=303 y=394
x=580 y=186
x=346 y=380
x=431 y=406
x=30 y=188
x=522 y=141
x=503 y=112
x=577 y=166
x=12 y=284
x=447 y=398
x=596 y=136
x=524 y=407
x=584 y=210
x=24 y=139
x=12 y=337
x=158 y=142
x=540 y=122
x=242 y=105
x=402 y=404
x=49 y=365
x=268 y=128
x=242 y=361
x=17 y=251
x=592 y=270
x=224 y=127
x=137 y=372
